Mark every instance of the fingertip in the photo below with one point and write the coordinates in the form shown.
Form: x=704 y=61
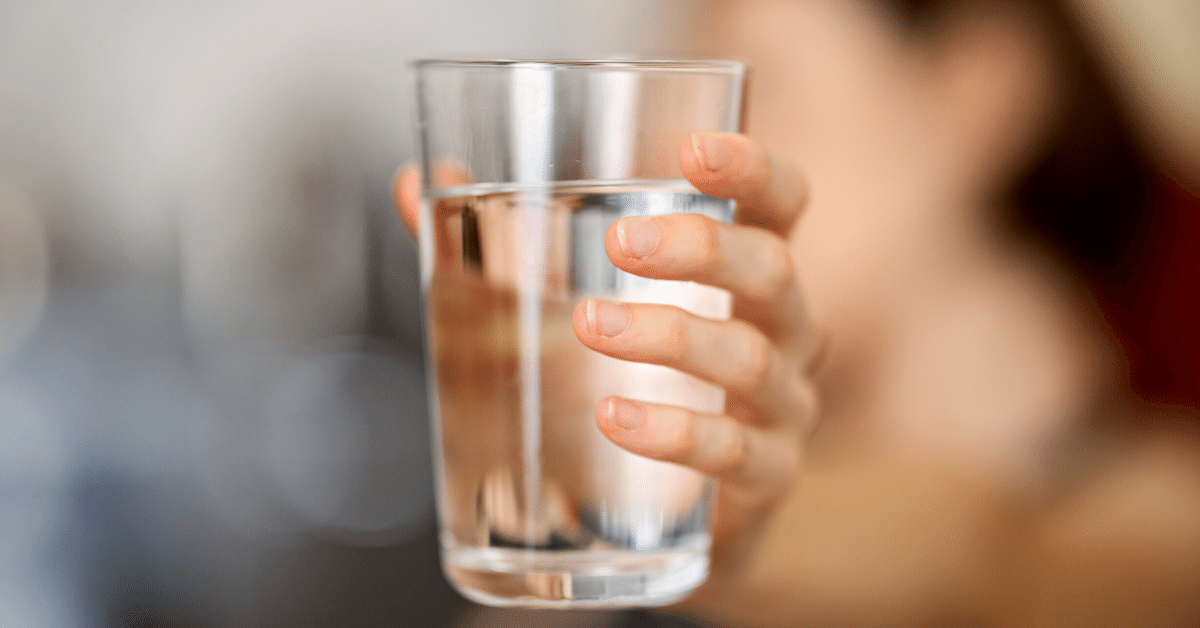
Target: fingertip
x=733 y=166
x=637 y=237
x=620 y=414
x=689 y=162
x=581 y=323
x=606 y=411
x=711 y=160
x=714 y=153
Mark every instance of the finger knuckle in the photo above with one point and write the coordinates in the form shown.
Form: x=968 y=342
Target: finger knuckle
x=791 y=464
x=756 y=364
x=777 y=273
x=678 y=443
x=729 y=455
x=789 y=183
x=703 y=245
x=809 y=406
x=787 y=460
x=676 y=339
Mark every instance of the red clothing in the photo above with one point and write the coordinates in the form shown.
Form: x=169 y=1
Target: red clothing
x=1161 y=327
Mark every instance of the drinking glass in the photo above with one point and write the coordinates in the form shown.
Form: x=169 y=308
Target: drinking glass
x=525 y=165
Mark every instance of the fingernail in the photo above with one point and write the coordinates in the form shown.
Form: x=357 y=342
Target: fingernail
x=606 y=319
x=713 y=153
x=638 y=237
x=628 y=415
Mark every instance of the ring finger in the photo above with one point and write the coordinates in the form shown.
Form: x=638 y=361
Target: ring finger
x=752 y=263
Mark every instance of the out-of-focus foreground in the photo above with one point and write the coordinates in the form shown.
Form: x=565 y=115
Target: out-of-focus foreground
x=212 y=405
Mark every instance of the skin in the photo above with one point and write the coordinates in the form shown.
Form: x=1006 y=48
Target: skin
x=954 y=375
x=762 y=357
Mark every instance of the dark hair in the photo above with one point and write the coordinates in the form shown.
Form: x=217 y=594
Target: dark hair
x=1088 y=193
x=1094 y=199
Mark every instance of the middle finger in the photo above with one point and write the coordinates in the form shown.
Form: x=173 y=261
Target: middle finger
x=752 y=263
x=732 y=354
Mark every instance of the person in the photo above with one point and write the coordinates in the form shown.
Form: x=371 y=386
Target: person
x=929 y=418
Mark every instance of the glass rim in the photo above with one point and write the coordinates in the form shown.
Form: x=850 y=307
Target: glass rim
x=713 y=66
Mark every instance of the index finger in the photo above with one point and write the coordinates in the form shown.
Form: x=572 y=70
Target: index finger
x=770 y=193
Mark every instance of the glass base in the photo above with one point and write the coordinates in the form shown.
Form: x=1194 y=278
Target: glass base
x=576 y=579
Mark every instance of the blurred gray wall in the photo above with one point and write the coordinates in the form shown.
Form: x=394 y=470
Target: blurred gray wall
x=212 y=407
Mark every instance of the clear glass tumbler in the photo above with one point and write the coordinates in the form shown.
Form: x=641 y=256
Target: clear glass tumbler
x=525 y=164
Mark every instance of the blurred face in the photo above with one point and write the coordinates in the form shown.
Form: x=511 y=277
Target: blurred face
x=904 y=140
x=933 y=315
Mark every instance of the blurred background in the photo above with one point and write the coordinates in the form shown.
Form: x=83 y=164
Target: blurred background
x=212 y=405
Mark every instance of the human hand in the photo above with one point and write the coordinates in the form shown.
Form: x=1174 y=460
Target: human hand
x=762 y=356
